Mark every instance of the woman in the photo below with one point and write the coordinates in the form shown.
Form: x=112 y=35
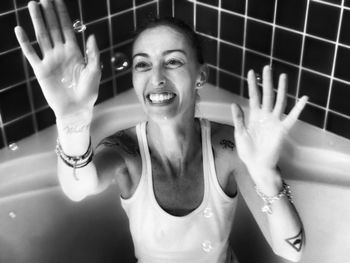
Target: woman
x=177 y=175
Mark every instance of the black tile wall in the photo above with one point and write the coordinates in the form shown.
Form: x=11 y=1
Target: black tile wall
x=323 y=69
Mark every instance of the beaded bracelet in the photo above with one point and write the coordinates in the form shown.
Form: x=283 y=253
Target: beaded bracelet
x=268 y=200
x=75 y=161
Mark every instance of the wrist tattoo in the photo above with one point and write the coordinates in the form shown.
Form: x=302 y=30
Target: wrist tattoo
x=227 y=144
x=296 y=242
x=69 y=129
x=123 y=141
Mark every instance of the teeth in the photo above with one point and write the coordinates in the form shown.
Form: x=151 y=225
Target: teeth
x=160 y=97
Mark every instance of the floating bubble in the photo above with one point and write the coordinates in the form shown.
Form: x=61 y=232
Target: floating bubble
x=78 y=26
x=207 y=246
x=67 y=84
x=12 y=215
x=13 y=146
x=120 y=61
x=208 y=212
x=258 y=77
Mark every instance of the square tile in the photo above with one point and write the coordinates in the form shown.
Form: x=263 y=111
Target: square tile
x=20 y=3
x=19 y=129
x=14 y=103
x=235 y=6
x=313 y=115
x=338 y=125
x=340 y=98
x=105 y=60
x=6 y=6
x=263 y=10
x=255 y=62
x=209 y=2
x=7 y=25
x=212 y=78
x=209 y=47
x=184 y=11
x=314 y=86
x=105 y=92
x=232 y=28
x=259 y=37
x=124 y=82
x=291 y=14
x=119 y=5
x=343 y=64
x=146 y=14
x=165 y=8
x=93 y=10
x=11 y=68
x=207 y=20
x=318 y=55
x=229 y=83
x=73 y=9
x=345 y=28
x=287 y=46
x=319 y=26
x=101 y=32
x=347 y=3
x=122 y=27
x=45 y=118
x=292 y=73
x=231 y=58
x=38 y=96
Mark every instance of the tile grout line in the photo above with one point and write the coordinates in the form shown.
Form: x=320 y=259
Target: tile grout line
x=111 y=43
x=27 y=81
x=241 y=92
x=273 y=33
x=173 y=8
x=218 y=44
x=158 y=9
x=333 y=67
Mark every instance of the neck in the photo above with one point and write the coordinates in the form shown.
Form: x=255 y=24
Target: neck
x=174 y=143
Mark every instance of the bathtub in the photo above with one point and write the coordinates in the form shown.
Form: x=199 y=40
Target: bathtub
x=38 y=224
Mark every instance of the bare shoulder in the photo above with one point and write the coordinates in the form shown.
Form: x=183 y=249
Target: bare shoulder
x=222 y=137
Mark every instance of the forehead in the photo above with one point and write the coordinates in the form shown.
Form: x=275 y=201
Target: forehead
x=159 y=39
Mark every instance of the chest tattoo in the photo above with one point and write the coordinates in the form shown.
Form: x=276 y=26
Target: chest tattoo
x=227 y=144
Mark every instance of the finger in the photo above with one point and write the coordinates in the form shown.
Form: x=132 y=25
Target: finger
x=39 y=26
x=238 y=119
x=268 y=93
x=254 y=96
x=26 y=47
x=51 y=20
x=292 y=117
x=93 y=54
x=281 y=95
x=65 y=21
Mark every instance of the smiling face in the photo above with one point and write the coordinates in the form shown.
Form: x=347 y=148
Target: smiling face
x=165 y=72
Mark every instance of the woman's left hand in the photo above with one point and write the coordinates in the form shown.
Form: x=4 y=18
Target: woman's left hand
x=259 y=139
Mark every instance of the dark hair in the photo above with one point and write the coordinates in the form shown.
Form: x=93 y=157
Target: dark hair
x=178 y=25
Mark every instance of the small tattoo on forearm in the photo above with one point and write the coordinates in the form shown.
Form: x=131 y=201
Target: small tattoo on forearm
x=297 y=241
x=122 y=140
x=76 y=128
x=227 y=144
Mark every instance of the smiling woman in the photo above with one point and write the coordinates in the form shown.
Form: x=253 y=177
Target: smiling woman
x=178 y=175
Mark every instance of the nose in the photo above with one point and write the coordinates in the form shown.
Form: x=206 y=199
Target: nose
x=158 y=78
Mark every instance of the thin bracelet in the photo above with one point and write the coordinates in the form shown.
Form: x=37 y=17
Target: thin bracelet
x=268 y=200
x=75 y=161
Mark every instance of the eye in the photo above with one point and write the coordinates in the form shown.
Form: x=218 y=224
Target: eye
x=142 y=66
x=173 y=63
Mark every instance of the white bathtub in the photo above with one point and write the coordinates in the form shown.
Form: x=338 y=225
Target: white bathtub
x=38 y=224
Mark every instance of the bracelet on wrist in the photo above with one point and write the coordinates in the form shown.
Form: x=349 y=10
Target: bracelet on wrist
x=75 y=162
x=269 y=200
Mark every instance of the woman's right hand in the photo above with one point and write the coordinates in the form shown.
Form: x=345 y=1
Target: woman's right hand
x=69 y=84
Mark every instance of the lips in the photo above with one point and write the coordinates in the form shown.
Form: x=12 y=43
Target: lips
x=161 y=98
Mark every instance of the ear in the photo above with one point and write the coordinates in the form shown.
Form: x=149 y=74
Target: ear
x=203 y=74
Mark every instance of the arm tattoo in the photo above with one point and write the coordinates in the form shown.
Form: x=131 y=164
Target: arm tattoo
x=297 y=241
x=122 y=140
x=69 y=129
x=227 y=144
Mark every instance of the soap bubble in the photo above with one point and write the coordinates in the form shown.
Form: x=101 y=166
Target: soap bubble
x=13 y=146
x=78 y=26
x=120 y=61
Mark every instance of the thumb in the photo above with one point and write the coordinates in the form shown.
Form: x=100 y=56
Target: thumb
x=93 y=54
x=238 y=119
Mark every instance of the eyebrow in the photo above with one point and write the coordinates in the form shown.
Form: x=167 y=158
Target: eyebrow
x=164 y=53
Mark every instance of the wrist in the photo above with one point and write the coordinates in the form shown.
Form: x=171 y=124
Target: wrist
x=268 y=180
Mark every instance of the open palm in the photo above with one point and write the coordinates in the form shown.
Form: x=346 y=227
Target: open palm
x=68 y=83
x=259 y=139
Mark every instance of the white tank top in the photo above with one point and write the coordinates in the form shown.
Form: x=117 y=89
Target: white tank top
x=200 y=236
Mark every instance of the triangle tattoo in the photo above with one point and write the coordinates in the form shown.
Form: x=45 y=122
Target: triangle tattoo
x=297 y=241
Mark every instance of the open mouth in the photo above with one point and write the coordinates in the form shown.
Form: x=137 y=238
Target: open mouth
x=161 y=98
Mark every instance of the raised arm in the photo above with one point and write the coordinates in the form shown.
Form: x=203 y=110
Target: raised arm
x=69 y=82
x=259 y=141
